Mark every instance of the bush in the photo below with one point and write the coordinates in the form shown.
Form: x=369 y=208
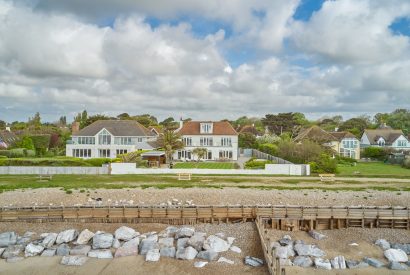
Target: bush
x=345 y=160
x=256 y=164
x=268 y=148
x=17 y=153
x=49 y=162
x=324 y=164
x=3 y=157
x=5 y=153
x=375 y=153
x=406 y=163
x=142 y=163
x=98 y=161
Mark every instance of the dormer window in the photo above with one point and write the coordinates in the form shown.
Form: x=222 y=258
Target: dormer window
x=381 y=142
x=206 y=128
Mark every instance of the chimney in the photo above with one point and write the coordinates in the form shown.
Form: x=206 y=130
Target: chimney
x=75 y=127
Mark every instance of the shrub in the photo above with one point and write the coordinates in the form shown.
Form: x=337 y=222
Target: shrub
x=406 y=163
x=3 y=157
x=27 y=143
x=345 y=160
x=256 y=164
x=17 y=153
x=41 y=143
x=268 y=148
x=5 y=153
x=42 y=162
x=142 y=163
x=98 y=161
x=375 y=153
x=324 y=164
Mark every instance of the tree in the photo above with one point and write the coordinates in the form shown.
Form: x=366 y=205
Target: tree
x=123 y=116
x=284 y=122
x=27 y=143
x=355 y=125
x=35 y=121
x=200 y=153
x=247 y=140
x=93 y=119
x=170 y=141
x=400 y=119
x=62 y=121
x=2 y=124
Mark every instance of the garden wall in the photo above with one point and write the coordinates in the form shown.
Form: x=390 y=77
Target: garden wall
x=37 y=170
x=270 y=169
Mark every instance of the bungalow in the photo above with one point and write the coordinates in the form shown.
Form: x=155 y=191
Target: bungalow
x=385 y=137
x=7 y=138
x=109 y=138
x=218 y=137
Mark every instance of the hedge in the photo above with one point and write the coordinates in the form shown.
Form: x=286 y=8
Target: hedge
x=256 y=164
x=52 y=162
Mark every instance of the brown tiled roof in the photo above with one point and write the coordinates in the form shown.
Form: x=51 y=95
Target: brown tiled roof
x=341 y=135
x=389 y=135
x=250 y=129
x=125 y=128
x=315 y=133
x=8 y=137
x=219 y=128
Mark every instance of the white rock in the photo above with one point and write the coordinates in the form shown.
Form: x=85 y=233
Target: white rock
x=100 y=254
x=185 y=232
x=102 y=240
x=152 y=255
x=338 y=262
x=200 y=264
x=166 y=242
x=129 y=248
x=235 y=249
x=116 y=244
x=49 y=240
x=33 y=250
x=85 y=236
x=125 y=233
x=383 y=244
x=216 y=244
x=396 y=255
x=230 y=240
x=8 y=238
x=225 y=260
x=74 y=260
x=188 y=253
x=323 y=263
x=66 y=236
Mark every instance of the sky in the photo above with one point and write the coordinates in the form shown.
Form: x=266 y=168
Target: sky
x=203 y=59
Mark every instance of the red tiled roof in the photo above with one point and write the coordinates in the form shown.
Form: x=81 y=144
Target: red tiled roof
x=219 y=128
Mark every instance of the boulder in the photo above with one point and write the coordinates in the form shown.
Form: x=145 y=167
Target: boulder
x=14 y=259
x=188 y=253
x=166 y=242
x=216 y=244
x=49 y=240
x=81 y=249
x=152 y=255
x=12 y=251
x=116 y=244
x=225 y=260
x=200 y=264
x=100 y=254
x=33 y=250
x=167 y=252
x=74 y=260
x=85 y=237
x=50 y=252
x=125 y=233
x=281 y=252
x=274 y=245
x=208 y=255
x=316 y=235
x=286 y=240
x=147 y=245
x=285 y=262
x=182 y=243
x=396 y=255
x=66 y=236
x=253 y=261
x=338 y=262
x=235 y=249
x=151 y=237
x=23 y=240
x=383 y=244
x=308 y=250
x=323 y=263
x=397 y=266
x=102 y=240
x=8 y=238
x=197 y=240
x=351 y=264
x=170 y=231
x=403 y=246
x=184 y=232
x=2 y=250
x=129 y=248
x=63 y=250
x=373 y=262
x=303 y=261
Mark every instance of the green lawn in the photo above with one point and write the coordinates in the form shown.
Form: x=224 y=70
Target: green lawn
x=374 y=169
x=204 y=165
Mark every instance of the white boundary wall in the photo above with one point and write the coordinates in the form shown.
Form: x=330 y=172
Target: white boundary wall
x=37 y=170
x=270 y=169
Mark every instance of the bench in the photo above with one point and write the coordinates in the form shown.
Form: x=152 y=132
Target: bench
x=184 y=176
x=327 y=177
x=45 y=177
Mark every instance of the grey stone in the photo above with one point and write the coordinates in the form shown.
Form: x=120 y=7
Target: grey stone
x=235 y=249
x=116 y=244
x=407 y=263
x=184 y=232
x=29 y=234
x=285 y=262
x=12 y=251
x=100 y=254
x=373 y=262
x=49 y=240
x=8 y=238
x=33 y=250
x=303 y=261
x=152 y=255
x=66 y=236
x=200 y=264
x=316 y=235
x=125 y=233
x=286 y=240
x=253 y=261
x=352 y=264
x=50 y=252
x=274 y=245
x=167 y=252
x=129 y=248
x=396 y=255
x=208 y=255
x=403 y=246
x=281 y=252
x=63 y=250
x=85 y=237
x=166 y=242
x=188 y=253
x=197 y=240
x=308 y=250
x=182 y=243
x=323 y=263
x=338 y=262
x=216 y=244
x=397 y=266
x=2 y=250
x=74 y=260
x=103 y=240
x=14 y=259
x=170 y=231
x=383 y=244
x=147 y=245
x=225 y=260
x=81 y=249
x=23 y=240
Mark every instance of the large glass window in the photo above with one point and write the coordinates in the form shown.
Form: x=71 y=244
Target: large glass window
x=86 y=140
x=187 y=141
x=206 y=128
x=226 y=142
x=104 y=138
x=82 y=153
x=206 y=141
x=350 y=143
x=225 y=154
x=121 y=151
x=104 y=153
x=402 y=143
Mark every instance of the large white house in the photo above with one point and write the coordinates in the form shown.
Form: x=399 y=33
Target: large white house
x=109 y=138
x=385 y=137
x=218 y=137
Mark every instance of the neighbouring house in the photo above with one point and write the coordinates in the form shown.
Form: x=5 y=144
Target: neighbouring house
x=155 y=130
x=343 y=143
x=7 y=138
x=385 y=137
x=251 y=129
x=218 y=137
x=109 y=138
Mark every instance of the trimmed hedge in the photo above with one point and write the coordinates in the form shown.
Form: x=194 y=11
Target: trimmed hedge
x=98 y=161
x=256 y=164
x=53 y=162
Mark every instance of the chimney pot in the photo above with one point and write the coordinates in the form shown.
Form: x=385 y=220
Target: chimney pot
x=75 y=127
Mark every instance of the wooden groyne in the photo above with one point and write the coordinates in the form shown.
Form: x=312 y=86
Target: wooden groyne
x=277 y=217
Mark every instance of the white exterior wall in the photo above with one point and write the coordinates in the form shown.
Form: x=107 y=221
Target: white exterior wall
x=396 y=146
x=214 y=149
x=365 y=140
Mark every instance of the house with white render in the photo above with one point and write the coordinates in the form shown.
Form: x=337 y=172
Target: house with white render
x=219 y=138
x=385 y=137
x=110 y=138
